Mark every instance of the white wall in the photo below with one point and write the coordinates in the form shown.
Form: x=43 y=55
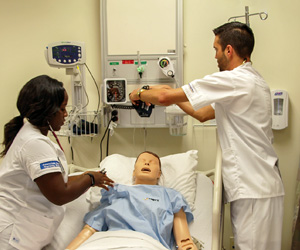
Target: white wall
x=26 y=27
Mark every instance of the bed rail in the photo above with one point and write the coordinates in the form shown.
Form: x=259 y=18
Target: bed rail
x=218 y=205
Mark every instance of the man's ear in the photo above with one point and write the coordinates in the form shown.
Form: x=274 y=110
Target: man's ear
x=229 y=50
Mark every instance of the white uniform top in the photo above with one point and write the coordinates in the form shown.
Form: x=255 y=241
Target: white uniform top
x=243 y=115
x=22 y=204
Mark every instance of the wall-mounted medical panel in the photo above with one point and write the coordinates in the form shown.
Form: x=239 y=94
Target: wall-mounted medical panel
x=127 y=68
x=142 y=42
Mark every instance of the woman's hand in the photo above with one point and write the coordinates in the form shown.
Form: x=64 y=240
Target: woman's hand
x=54 y=188
x=101 y=179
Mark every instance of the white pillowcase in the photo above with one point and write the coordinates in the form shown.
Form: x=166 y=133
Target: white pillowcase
x=178 y=172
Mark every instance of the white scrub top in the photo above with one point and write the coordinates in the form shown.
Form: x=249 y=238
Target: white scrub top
x=22 y=204
x=243 y=115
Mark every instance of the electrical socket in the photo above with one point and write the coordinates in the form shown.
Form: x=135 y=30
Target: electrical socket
x=231 y=239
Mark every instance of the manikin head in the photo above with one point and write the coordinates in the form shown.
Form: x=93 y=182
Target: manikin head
x=147 y=169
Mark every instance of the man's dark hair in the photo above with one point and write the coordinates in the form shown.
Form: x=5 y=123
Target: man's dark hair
x=239 y=35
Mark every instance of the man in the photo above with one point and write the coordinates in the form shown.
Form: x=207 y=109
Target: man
x=242 y=103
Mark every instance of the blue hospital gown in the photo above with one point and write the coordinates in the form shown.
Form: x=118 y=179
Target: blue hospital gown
x=148 y=209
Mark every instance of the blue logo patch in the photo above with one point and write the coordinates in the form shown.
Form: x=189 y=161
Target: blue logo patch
x=49 y=164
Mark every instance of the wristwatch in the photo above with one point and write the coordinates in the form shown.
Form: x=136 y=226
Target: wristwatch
x=92 y=179
x=142 y=89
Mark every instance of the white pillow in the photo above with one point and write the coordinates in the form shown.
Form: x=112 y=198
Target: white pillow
x=119 y=168
x=178 y=172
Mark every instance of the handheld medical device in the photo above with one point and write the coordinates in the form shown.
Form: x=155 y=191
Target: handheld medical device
x=166 y=66
x=143 y=109
x=280 y=101
x=115 y=90
x=65 y=54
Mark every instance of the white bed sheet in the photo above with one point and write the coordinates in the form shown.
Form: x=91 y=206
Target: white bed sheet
x=130 y=240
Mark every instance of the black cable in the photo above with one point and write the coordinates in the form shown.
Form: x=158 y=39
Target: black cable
x=103 y=139
x=114 y=118
x=107 y=143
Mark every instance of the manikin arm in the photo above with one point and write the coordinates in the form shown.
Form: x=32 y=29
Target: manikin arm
x=85 y=233
x=182 y=233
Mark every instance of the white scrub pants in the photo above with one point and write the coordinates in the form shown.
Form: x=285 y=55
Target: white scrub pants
x=257 y=223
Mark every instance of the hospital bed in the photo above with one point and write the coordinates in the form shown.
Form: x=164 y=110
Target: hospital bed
x=202 y=190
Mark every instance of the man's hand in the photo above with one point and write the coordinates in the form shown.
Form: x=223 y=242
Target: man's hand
x=134 y=96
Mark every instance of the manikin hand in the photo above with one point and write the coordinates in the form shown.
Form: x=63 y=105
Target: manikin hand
x=187 y=244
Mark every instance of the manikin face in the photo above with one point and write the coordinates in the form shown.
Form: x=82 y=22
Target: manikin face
x=147 y=169
x=222 y=60
x=59 y=118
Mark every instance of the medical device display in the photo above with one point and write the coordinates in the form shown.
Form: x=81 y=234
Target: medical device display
x=71 y=56
x=280 y=109
x=66 y=54
x=115 y=90
x=166 y=66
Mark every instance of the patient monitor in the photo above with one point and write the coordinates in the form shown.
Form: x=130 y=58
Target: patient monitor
x=71 y=56
x=65 y=54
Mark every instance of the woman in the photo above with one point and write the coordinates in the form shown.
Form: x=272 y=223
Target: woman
x=33 y=174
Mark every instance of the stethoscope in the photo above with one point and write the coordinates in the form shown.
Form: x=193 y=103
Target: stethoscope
x=58 y=142
x=103 y=171
x=55 y=136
